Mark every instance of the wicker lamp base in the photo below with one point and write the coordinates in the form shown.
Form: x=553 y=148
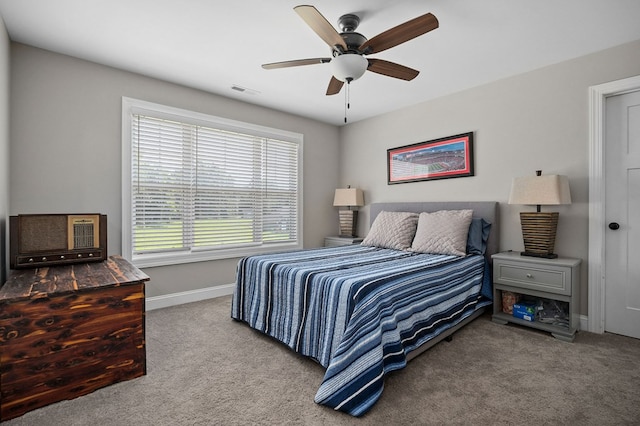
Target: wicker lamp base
x=348 y=222
x=539 y=233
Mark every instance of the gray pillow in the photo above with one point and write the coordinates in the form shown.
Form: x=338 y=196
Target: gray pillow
x=478 y=236
x=443 y=232
x=394 y=230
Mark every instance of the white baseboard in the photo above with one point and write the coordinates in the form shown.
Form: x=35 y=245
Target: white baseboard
x=164 y=301
x=584 y=322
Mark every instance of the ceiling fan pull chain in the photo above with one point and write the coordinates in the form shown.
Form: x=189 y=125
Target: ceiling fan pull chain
x=347 y=99
x=346 y=102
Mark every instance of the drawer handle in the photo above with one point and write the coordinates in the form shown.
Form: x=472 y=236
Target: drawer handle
x=529 y=275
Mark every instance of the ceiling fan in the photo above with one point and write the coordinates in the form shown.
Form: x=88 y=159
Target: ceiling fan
x=349 y=48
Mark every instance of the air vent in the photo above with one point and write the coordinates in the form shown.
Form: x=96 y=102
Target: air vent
x=244 y=90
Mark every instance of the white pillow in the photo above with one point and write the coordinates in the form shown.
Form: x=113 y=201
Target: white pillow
x=394 y=230
x=443 y=232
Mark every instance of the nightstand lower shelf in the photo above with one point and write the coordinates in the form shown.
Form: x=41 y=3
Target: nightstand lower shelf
x=556 y=331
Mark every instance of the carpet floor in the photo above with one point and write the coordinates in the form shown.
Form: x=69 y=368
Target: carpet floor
x=205 y=369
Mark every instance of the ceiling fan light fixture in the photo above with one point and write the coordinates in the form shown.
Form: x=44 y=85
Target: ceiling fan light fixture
x=349 y=66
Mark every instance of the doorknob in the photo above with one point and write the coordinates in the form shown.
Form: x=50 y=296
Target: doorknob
x=614 y=225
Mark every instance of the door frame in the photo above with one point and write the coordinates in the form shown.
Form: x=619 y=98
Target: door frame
x=596 y=262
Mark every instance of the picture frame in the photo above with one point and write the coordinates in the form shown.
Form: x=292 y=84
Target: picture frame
x=443 y=158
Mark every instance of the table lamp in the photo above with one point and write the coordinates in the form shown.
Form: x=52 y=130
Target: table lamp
x=539 y=228
x=348 y=197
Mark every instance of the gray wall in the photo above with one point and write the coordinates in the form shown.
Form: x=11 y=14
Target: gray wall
x=537 y=120
x=66 y=150
x=65 y=146
x=4 y=148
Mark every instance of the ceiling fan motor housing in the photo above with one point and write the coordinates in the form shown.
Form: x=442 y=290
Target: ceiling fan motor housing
x=353 y=42
x=348 y=24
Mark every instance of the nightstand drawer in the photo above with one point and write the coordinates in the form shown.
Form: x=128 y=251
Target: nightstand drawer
x=549 y=279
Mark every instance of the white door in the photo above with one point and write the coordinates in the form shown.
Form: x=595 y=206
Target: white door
x=622 y=213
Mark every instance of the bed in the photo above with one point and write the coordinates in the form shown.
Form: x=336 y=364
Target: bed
x=364 y=310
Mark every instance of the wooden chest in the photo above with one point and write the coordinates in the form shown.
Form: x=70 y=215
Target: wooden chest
x=66 y=331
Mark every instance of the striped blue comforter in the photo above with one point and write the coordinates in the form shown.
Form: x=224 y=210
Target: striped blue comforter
x=357 y=310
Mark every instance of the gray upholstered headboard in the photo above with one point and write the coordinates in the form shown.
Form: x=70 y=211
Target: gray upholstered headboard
x=488 y=210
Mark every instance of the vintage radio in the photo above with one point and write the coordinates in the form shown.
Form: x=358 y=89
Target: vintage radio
x=38 y=240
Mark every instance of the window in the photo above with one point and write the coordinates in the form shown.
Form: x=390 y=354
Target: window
x=198 y=187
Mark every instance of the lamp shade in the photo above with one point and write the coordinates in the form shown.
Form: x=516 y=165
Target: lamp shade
x=540 y=190
x=348 y=66
x=348 y=197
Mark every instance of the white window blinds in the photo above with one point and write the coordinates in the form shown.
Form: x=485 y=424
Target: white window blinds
x=198 y=188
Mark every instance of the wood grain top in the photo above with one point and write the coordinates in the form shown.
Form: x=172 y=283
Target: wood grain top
x=41 y=282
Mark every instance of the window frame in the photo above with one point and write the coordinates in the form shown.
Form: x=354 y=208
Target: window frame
x=131 y=106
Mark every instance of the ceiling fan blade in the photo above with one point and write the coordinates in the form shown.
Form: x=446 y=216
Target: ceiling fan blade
x=320 y=25
x=335 y=86
x=296 y=63
x=391 y=69
x=400 y=34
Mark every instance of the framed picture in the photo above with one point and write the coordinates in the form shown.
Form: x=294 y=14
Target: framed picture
x=437 y=159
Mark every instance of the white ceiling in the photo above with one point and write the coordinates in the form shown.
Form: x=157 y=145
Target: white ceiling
x=214 y=44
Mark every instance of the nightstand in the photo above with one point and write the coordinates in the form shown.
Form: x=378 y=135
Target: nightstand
x=538 y=278
x=341 y=241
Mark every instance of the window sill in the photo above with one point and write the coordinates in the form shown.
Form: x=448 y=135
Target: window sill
x=175 y=258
